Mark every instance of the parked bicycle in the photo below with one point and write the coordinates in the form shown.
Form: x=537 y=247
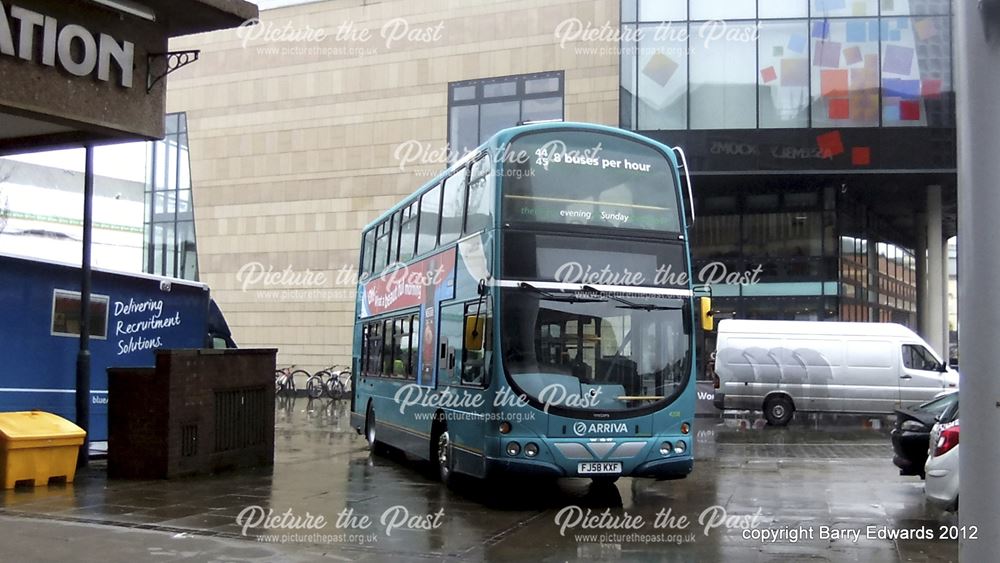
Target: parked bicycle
x=284 y=379
x=334 y=382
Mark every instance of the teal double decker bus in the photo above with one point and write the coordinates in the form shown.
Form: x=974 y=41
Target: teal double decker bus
x=530 y=311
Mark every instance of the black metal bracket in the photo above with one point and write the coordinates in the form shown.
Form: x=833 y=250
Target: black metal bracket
x=990 y=12
x=172 y=61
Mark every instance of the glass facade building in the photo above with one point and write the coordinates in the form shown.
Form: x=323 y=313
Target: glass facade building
x=170 y=248
x=813 y=129
x=785 y=64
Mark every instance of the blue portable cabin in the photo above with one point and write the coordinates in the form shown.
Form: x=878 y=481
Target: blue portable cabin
x=131 y=316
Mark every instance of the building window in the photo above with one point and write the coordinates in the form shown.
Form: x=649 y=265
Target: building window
x=662 y=79
x=784 y=68
x=479 y=108
x=170 y=248
x=781 y=9
x=802 y=63
x=723 y=80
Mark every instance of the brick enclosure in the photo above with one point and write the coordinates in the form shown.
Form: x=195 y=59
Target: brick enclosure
x=197 y=411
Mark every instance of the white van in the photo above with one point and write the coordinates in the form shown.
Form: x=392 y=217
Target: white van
x=785 y=366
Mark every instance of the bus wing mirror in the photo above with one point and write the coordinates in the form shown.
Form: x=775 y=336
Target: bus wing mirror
x=474 y=329
x=706 y=313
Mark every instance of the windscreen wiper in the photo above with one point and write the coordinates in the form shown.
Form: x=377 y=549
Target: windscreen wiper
x=560 y=298
x=678 y=304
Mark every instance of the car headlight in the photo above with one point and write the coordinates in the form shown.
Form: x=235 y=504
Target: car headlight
x=912 y=426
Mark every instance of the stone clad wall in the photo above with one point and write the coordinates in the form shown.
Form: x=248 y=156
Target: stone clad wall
x=293 y=152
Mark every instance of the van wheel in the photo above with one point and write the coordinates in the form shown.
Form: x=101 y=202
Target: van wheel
x=778 y=410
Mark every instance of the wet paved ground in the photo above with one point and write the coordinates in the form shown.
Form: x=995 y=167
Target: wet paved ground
x=816 y=474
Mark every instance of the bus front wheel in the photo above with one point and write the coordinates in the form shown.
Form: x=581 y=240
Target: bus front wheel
x=443 y=456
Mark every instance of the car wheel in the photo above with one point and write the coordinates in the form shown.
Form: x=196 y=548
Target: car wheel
x=778 y=410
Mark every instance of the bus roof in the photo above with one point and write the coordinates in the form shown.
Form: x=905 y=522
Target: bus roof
x=501 y=139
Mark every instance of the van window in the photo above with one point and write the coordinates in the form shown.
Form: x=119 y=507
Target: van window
x=920 y=358
x=869 y=354
x=66 y=314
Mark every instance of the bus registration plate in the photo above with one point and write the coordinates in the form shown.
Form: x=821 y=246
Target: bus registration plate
x=599 y=468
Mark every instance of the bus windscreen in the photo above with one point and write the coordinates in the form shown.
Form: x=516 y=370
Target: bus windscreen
x=589 y=179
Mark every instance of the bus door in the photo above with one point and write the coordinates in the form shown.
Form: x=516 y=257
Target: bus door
x=449 y=348
x=464 y=348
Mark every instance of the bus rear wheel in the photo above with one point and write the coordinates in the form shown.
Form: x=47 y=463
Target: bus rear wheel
x=374 y=445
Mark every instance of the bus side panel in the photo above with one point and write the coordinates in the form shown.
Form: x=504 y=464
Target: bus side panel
x=40 y=367
x=424 y=284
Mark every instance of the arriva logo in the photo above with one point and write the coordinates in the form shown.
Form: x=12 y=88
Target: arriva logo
x=582 y=428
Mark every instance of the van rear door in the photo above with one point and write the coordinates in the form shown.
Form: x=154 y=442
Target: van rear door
x=921 y=376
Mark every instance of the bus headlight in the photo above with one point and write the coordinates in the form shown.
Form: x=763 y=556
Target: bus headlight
x=666 y=448
x=513 y=448
x=531 y=449
x=680 y=447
